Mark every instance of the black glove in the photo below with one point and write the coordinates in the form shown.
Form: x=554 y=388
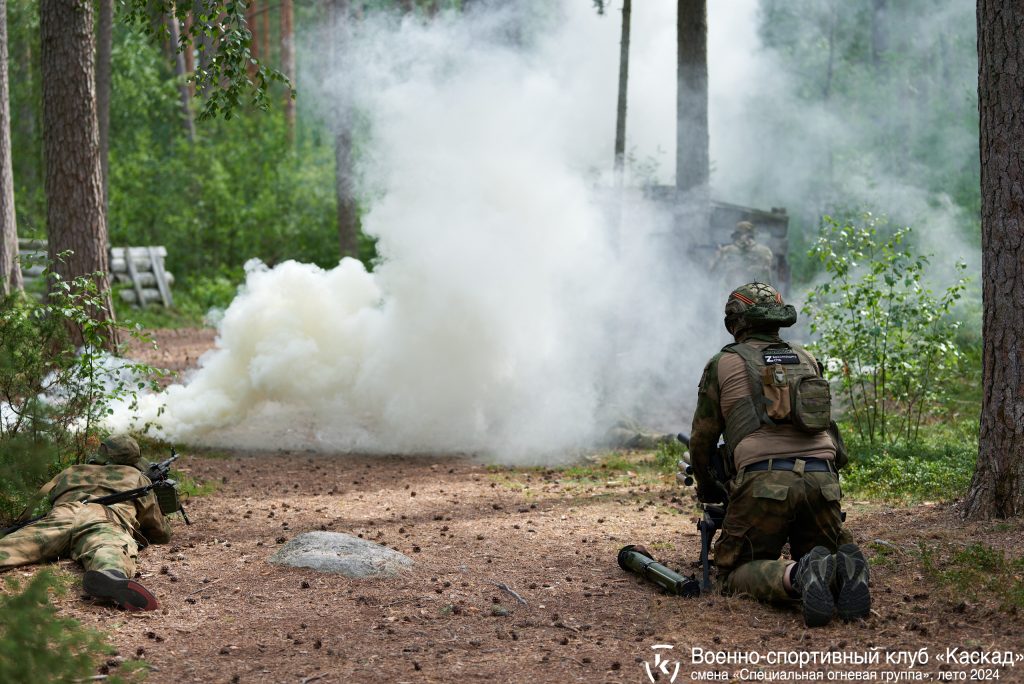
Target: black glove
x=711 y=492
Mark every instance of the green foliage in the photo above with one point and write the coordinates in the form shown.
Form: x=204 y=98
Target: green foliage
x=239 y=192
x=976 y=570
x=909 y=476
x=232 y=74
x=668 y=456
x=937 y=467
x=189 y=487
x=878 y=324
x=52 y=395
x=192 y=305
x=884 y=104
x=36 y=645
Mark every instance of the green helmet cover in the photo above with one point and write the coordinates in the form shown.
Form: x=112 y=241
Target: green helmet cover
x=118 y=450
x=757 y=306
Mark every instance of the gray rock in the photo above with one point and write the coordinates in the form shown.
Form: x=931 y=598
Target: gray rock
x=342 y=554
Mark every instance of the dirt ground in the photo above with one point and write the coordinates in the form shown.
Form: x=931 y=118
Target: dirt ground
x=515 y=580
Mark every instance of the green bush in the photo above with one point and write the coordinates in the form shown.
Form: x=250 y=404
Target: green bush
x=890 y=338
x=36 y=645
x=53 y=396
x=937 y=467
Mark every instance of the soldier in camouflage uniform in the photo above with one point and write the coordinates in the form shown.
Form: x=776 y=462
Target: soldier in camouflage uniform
x=783 y=484
x=627 y=434
x=104 y=539
x=743 y=260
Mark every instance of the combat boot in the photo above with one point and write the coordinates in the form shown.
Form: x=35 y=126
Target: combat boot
x=853 y=598
x=812 y=579
x=114 y=585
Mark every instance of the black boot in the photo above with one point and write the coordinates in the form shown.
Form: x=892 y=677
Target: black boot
x=812 y=579
x=114 y=585
x=853 y=599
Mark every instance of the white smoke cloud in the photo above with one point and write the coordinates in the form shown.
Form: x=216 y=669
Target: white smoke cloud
x=508 y=317
x=513 y=314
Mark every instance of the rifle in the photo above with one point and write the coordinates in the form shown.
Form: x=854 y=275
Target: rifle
x=161 y=485
x=714 y=514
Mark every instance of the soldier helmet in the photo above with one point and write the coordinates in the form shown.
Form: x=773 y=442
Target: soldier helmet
x=119 y=450
x=757 y=306
x=743 y=228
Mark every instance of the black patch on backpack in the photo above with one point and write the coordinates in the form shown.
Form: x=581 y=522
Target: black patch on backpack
x=784 y=356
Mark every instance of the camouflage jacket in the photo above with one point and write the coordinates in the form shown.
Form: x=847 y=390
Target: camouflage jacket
x=738 y=264
x=141 y=516
x=708 y=425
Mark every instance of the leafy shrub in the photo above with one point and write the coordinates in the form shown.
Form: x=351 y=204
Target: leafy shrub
x=878 y=324
x=52 y=395
x=937 y=467
x=36 y=645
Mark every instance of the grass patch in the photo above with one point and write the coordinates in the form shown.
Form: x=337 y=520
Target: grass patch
x=612 y=469
x=937 y=468
x=668 y=456
x=976 y=570
x=189 y=487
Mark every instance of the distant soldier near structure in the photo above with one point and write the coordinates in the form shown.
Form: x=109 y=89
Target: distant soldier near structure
x=744 y=260
x=105 y=539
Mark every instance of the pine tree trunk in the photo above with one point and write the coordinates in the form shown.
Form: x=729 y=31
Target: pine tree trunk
x=620 y=113
x=692 y=160
x=251 y=19
x=879 y=33
x=74 y=183
x=104 y=47
x=998 y=486
x=288 y=63
x=348 y=216
x=181 y=74
x=10 y=269
x=189 y=53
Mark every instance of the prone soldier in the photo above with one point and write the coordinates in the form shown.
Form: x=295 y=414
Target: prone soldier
x=105 y=539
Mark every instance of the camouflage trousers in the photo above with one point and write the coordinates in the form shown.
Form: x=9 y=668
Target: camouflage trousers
x=87 y=533
x=767 y=509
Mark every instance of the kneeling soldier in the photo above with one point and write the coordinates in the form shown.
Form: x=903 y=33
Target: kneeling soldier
x=104 y=539
x=767 y=398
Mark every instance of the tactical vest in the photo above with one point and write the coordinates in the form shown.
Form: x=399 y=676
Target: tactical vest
x=786 y=388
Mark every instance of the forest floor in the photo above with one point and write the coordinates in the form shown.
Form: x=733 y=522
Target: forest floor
x=515 y=580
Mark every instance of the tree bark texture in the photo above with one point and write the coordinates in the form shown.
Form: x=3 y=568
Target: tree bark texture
x=10 y=269
x=620 y=112
x=74 y=185
x=181 y=75
x=998 y=486
x=879 y=33
x=692 y=160
x=348 y=209
x=288 y=62
x=251 y=19
x=104 y=48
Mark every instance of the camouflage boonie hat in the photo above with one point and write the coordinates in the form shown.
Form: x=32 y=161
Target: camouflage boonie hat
x=119 y=450
x=757 y=306
x=743 y=228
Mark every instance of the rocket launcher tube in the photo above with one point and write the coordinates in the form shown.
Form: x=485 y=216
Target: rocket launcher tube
x=635 y=559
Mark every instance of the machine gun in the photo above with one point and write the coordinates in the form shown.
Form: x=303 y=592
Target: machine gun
x=161 y=485
x=714 y=514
